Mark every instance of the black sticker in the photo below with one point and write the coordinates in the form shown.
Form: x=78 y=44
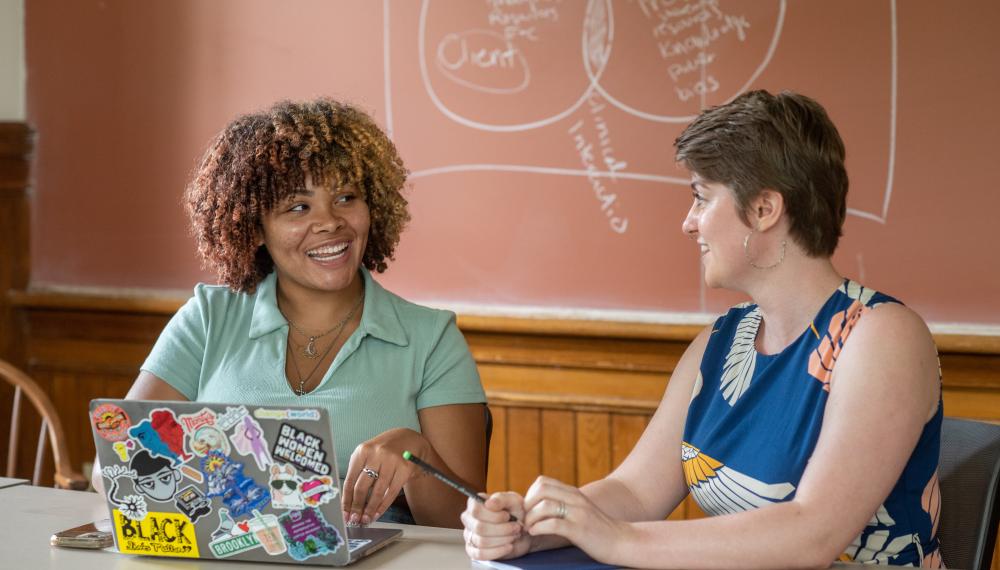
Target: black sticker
x=193 y=503
x=302 y=449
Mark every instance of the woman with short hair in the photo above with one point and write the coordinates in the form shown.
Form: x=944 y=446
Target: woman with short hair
x=807 y=422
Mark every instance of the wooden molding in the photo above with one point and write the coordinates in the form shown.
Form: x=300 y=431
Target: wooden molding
x=167 y=302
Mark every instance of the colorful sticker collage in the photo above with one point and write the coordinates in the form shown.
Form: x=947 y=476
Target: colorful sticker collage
x=183 y=467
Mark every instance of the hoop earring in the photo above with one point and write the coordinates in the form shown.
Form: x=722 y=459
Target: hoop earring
x=746 y=253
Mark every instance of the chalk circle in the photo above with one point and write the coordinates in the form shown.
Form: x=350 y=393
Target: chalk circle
x=453 y=56
x=465 y=119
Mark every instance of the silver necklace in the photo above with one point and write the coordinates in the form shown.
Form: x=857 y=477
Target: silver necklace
x=309 y=350
x=301 y=391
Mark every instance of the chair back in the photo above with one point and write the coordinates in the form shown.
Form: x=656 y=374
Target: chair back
x=51 y=431
x=489 y=436
x=969 y=473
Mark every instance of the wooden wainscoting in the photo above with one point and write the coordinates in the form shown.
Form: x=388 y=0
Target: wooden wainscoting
x=569 y=398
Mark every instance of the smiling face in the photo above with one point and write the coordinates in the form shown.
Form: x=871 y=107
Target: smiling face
x=317 y=238
x=714 y=223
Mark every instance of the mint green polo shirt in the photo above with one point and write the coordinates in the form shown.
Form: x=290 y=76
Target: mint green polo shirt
x=229 y=347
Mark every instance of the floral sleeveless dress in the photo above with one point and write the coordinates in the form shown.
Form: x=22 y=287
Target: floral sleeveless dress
x=754 y=420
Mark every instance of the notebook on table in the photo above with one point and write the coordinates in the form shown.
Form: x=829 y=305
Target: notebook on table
x=226 y=481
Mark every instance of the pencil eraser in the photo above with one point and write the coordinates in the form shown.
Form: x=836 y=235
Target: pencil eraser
x=407 y=455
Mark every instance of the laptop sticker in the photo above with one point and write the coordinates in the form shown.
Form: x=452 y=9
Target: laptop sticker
x=193 y=503
x=158 y=534
x=154 y=477
x=302 y=449
x=203 y=432
x=132 y=507
x=228 y=545
x=111 y=422
x=239 y=493
x=122 y=448
x=248 y=439
x=319 y=491
x=285 y=485
x=191 y=422
x=308 y=534
x=226 y=525
x=208 y=438
x=268 y=532
x=266 y=414
x=235 y=537
x=161 y=435
x=232 y=416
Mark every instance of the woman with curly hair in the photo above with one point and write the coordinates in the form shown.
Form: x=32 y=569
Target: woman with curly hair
x=294 y=207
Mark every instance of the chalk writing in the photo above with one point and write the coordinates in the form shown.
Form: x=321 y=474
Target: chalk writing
x=685 y=33
x=484 y=61
x=519 y=18
x=588 y=158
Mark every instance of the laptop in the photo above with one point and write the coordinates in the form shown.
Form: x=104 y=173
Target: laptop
x=227 y=482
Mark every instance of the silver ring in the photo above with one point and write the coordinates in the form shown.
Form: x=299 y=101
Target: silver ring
x=561 y=511
x=370 y=472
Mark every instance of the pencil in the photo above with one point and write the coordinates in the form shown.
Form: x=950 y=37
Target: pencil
x=447 y=480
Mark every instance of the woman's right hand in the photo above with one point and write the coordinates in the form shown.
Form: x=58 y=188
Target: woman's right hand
x=489 y=533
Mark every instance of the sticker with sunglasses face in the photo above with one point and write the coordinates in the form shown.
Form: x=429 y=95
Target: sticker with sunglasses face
x=286 y=487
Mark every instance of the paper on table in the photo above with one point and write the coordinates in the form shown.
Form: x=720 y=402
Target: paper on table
x=569 y=557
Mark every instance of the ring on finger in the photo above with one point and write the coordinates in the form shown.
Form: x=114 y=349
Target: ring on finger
x=561 y=510
x=370 y=472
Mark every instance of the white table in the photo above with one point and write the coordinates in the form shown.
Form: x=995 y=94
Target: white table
x=6 y=482
x=31 y=514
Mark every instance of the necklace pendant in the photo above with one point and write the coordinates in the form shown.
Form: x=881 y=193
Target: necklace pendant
x=309 y=351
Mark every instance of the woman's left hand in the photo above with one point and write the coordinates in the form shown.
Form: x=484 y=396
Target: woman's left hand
x=377 y=472
x=553 y=507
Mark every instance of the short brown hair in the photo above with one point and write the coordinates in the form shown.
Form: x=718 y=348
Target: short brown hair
x=783 y=142
x=259 y=159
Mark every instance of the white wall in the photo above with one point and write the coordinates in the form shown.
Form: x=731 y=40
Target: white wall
x=12 y=69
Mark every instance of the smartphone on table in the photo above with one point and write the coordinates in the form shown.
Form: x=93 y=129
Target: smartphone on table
x=91 y=535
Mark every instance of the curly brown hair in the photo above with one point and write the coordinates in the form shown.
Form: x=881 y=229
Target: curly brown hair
x=260 y=159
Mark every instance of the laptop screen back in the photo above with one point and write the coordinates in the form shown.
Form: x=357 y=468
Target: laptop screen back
x=232 y=482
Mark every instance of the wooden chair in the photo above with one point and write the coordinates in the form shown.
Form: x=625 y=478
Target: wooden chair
x=65 y=477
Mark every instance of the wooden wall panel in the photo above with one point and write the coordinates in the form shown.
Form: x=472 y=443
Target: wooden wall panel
x=593 y=446
x=625 y=432
x=524 y=447
x=558 y=445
